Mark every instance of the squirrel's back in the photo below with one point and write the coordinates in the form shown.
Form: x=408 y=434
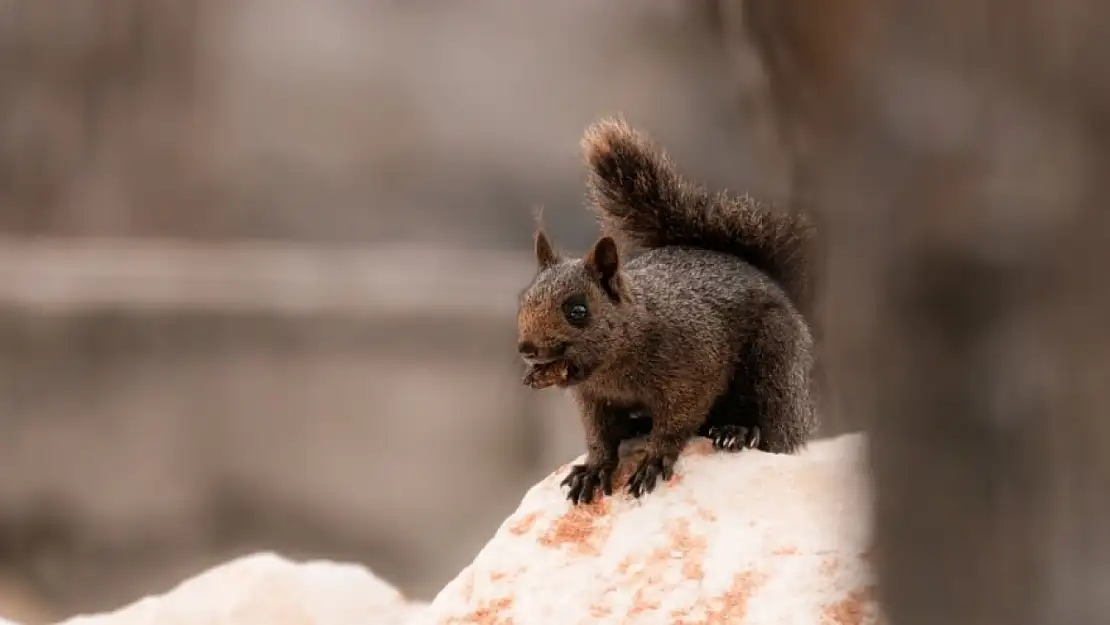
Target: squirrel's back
x=637 y=192
x=683 y=274
x=712 y=299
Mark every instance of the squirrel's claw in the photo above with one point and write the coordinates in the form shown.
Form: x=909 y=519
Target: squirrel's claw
x=735 y=437
x=651 y=468
x=586 y=479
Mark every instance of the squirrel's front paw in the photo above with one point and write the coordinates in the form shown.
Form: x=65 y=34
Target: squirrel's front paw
x=734 y=437
x=651 y=468
x=586 y=479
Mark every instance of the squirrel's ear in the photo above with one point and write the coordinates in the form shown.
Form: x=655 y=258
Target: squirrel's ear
x=545 y=254
x=603 y=262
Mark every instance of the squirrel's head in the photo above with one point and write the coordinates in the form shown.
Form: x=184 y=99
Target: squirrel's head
x=573 y=311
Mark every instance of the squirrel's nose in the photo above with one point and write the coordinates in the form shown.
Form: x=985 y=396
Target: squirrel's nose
x=527 y=348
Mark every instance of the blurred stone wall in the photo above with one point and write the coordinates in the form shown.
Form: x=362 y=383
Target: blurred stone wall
x=96 y=111
x=144 y=442
x=353 y=121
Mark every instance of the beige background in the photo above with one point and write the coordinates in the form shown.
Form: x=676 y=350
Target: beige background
x=287 y=322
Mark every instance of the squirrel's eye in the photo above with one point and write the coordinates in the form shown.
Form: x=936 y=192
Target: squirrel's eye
x=575 y=310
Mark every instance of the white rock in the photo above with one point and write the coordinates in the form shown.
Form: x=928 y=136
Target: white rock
x=4 y=621
x=267 y=589
x=735 y=538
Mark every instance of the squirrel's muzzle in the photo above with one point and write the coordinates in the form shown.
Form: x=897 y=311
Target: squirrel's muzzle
x=534 y=355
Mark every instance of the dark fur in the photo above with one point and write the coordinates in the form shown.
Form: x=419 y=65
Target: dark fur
x=700 y=332
x=638 y=194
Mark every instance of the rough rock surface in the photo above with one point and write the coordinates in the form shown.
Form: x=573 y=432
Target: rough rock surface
x=738 y=538
x=266 y=589
x=734 y=538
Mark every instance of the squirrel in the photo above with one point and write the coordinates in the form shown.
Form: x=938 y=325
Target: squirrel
x=703 y=332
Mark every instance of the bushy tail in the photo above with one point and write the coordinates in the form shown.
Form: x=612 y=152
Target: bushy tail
x=637 y=192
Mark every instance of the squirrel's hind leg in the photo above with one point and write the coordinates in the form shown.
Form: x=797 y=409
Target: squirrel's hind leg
x=732 y=424
x=779 y=368
x=731 y=437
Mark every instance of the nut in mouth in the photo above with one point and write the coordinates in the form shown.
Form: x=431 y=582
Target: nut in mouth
x=555 y=373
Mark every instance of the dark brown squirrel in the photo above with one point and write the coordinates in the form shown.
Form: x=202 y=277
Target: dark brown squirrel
x=701 y=332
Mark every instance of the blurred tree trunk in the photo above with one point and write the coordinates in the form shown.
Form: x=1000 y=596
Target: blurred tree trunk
x=959 y=153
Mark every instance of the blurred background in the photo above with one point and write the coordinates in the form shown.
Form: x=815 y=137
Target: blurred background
x=259 y=262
